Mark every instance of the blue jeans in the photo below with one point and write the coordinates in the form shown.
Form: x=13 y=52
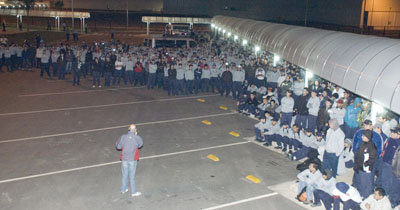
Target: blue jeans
x=151 y=80
x=287 y=117
x=301 y=121
x=350 y=204
x=309 y=189
x=327 y=199
x=68 y=67
x=330 y=161
x=128 y=175
x=236 y=87
x=96 y=78
x=312 y=122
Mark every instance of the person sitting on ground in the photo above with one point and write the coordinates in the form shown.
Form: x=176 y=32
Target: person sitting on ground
x=262 y=106
x=376 y=201
x=294 y=139
x=270 y=135
x=282 y=139
x=309 y=179
x=251 y=104
x=260 y=128
x=348 y=195
x=273 y=107
x=309 y=142
x=324 y=189
x=241 y=103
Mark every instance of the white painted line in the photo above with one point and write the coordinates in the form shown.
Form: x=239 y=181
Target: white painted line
x=242 y=201
x=115 y=162
x=104 y=105
x=80 y=91
x=114 y=127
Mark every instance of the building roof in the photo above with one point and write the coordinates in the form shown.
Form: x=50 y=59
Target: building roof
x=365 y=65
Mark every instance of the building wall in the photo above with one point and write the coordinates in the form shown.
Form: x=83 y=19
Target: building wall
x=338 y=12
x=269 y=10
x=341 y=12
x=383 y=13
x=134 y=5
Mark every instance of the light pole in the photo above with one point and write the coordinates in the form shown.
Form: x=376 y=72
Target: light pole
x=72 y=8
x=305 y=16
x=127 y=15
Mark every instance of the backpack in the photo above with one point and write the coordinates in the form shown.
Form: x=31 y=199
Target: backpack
x=396 y=163
x=302 y=196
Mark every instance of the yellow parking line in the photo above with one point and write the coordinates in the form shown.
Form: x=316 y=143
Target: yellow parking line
x=206 y=122
x=235 y=134
x=201 y=100
x=223 y=107
x=253 y=179
x=213 y=157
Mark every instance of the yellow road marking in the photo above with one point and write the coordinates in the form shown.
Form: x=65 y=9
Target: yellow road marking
x=253 y=179
x=213 y=157
x=206 y=122
x=223 y=107
x=235 y=134
x=201 y=100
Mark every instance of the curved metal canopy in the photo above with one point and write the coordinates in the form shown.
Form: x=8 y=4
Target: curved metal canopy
x=366 y=65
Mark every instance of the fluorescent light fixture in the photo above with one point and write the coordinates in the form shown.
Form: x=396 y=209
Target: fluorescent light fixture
x=212 y=25
x=276 y=59
x=375 y=110
x=244 y=42
x=257 y=48
x=309 y=75
x=223 y=31
x=235 y=37
x=229 y=34
x=219 y=29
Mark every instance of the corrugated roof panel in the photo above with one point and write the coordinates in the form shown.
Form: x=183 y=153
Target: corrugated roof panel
x=365 y=65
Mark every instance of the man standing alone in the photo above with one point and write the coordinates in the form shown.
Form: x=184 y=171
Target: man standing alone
x=129 y=145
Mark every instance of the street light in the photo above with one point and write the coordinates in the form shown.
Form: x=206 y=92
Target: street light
x=235 y=37
x=257 y=48
x=212 y=25
x=309 y=75
x=375 y=110
x=229 y=34
x=276 y=59
x=244 y=42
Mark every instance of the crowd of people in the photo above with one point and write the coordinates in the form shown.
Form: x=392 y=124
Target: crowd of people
x=322 y=121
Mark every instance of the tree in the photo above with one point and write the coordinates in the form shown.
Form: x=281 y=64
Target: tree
x=29 y=4
x=59 y=4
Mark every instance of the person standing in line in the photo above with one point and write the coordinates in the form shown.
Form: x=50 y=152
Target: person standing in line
x=61 y=63
x=334 y=147
x=76 y=70
x=108 y=72
x=172 y=80
x=226 y=82
x=313 y=108
x=95 y=69
x=44 y=66
x=129 y=144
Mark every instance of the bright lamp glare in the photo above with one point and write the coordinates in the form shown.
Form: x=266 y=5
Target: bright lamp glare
x=276 y=59
x=212 y=25
x=375 y=110
x=223 y=31
x=309 y=75
x=220 y=29
x=244 y=42
x=229 y=34
x=257 y=48
x=236 y=37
